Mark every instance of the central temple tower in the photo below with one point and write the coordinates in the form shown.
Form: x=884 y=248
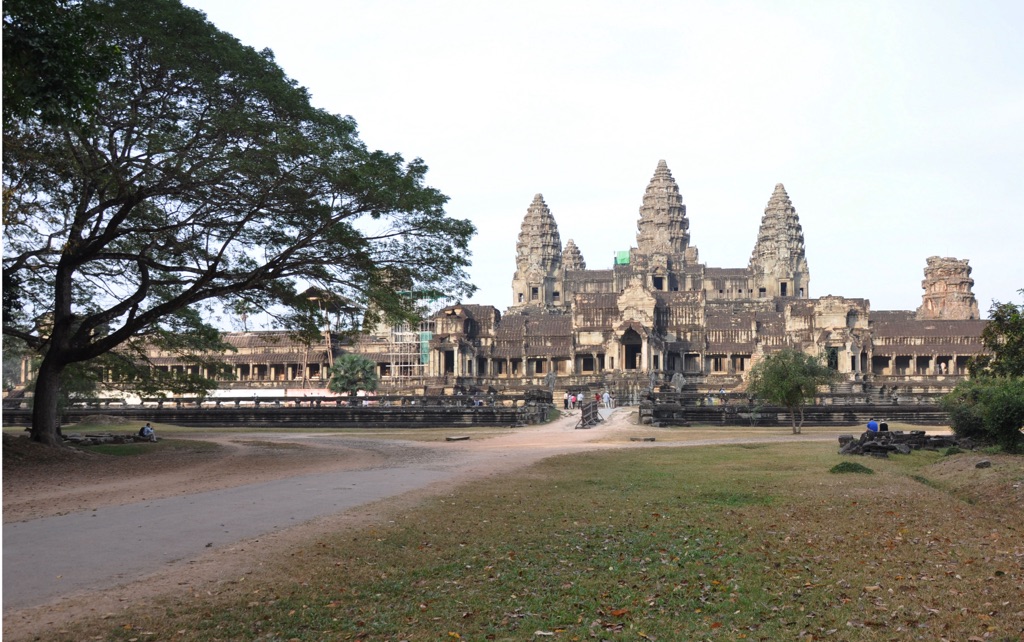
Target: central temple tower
x=778 y=265
x=663 y=234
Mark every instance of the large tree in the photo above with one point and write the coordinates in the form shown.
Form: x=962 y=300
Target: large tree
x=789 y=378
x=202 y=175
x=1004 y=337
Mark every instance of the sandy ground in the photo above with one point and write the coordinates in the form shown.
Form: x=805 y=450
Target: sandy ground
x=67 y=483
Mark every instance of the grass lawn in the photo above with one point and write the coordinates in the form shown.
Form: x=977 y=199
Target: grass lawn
x=752 y=542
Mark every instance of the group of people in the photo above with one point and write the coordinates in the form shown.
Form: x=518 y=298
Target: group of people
x=875 y=425
x=572 y=401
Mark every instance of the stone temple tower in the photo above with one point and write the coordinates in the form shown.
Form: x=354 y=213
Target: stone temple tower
x=538 y=259
x=948 y=291
x=663 y=228
x=663 y=235
x=572 y=258
x=778 y=265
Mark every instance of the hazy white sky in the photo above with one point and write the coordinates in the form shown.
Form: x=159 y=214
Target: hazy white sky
x=897 y=127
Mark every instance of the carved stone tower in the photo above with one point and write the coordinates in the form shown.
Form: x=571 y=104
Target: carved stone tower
x=663 y=227
x=538 y=258
x=663 y=235
x=948 y=290
x=778 y=265
x=572 y=258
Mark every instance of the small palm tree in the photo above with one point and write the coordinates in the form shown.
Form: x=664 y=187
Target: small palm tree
x=351 y=373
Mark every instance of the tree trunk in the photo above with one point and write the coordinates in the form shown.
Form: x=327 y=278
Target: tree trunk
x=792 y=419
x=45 y=412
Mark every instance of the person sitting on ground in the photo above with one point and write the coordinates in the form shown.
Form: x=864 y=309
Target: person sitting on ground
x=147 y=432
x=873 y=425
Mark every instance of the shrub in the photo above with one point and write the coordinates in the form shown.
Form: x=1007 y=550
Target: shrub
x=988 y=409
x=851 y=467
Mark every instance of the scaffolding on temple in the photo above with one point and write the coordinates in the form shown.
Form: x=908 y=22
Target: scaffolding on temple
x=408 y=346
x=408 y=351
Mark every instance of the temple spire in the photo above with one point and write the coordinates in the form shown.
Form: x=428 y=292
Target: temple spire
x=538 y=255
x=778 y=262
x=572 y=258
x=663 y=227
x=948 y=290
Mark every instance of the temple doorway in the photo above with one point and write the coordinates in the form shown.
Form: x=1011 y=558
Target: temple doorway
x=632 y=347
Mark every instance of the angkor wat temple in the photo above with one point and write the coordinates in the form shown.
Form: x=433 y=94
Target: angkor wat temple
x=656 y=316
x=659 y=312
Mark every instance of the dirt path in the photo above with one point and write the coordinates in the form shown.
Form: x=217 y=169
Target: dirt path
x=190 y=521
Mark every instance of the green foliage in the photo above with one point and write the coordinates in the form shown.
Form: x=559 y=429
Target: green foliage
x=789 y=378
x=989 y=410
x=202 y=176
x=352 y=373
x=850 y=467
x=952 y=450
x=1004 y=336
x=53 y=59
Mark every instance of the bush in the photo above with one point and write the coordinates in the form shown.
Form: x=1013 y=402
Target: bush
x=851 y=467
x=988 y=409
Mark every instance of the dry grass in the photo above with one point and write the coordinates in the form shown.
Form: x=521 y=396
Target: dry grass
x=755 y=542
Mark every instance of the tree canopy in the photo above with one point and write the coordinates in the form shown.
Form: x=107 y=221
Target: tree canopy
x=202 y=174
x=53 y=59
x=1004 y=337
x=989 y=407
x=789 y=378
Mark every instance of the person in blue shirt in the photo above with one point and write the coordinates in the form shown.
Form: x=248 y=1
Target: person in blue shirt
x=873 y=425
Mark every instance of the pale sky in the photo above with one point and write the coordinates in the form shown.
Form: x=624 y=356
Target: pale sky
x=897 y=127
